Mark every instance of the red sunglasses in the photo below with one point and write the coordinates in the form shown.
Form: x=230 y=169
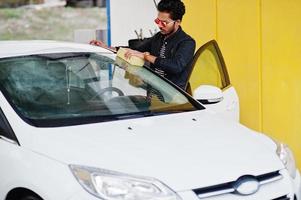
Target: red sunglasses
x=162 y=23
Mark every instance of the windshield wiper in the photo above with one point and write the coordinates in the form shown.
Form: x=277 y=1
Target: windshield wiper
x=140 y=114
x=132 y=115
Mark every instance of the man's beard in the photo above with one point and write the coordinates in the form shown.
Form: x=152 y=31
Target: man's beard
x=169 y=32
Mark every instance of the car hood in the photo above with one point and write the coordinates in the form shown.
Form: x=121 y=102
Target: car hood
x=185 y=151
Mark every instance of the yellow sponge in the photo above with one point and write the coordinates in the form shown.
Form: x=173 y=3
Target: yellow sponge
x=134 y=60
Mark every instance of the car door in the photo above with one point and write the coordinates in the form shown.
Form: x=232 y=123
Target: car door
x=209 y=82
x=8 y=149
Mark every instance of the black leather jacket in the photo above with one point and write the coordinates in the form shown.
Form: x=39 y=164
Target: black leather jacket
x=179 y=53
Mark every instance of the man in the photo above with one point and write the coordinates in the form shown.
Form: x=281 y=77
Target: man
x=170 y=51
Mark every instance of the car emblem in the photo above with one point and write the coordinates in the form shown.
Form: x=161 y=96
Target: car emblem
x=246 y=185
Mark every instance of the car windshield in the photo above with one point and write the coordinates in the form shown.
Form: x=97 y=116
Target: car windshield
x=75 y=88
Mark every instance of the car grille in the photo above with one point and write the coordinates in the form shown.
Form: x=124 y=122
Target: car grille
x=229 y=187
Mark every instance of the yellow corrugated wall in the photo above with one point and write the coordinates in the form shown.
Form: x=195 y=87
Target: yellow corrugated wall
x=261 y=44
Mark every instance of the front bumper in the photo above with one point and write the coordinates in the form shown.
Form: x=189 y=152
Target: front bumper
x=284 y=189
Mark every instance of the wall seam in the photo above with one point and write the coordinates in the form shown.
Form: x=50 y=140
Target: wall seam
x=260 y=71
x=216 y=20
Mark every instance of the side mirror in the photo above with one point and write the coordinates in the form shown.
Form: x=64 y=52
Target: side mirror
x=207 y=94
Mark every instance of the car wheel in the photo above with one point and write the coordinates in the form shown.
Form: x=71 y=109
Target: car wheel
x=31 y=197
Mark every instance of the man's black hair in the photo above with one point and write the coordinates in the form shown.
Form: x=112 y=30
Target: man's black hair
x=175 y=8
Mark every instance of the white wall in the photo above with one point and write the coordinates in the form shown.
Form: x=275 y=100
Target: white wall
x=128 y=16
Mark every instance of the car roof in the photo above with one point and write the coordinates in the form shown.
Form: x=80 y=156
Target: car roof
x=34 y=47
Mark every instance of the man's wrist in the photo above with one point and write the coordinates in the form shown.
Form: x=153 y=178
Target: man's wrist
x=145 y=55
x=149 y=58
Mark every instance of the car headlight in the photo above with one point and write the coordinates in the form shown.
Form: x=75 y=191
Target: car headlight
x=111 y=185
x=287 y=158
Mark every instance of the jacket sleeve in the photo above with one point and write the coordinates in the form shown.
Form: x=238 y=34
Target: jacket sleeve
x=181 y=58
x=145 y=45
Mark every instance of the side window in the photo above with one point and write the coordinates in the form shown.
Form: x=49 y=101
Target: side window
x=209 y=68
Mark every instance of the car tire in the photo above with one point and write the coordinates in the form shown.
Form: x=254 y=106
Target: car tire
x=31 y=197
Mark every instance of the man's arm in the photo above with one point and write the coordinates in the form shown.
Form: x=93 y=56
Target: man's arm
x=103 y=45
x=145 y=45
x=173 y=65
x=179 y=61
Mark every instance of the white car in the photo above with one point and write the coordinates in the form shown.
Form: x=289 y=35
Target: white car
x=77 y=123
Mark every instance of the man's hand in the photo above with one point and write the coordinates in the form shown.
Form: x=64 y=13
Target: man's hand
x=102 y=44
x=130 y=52
x=98 y=43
